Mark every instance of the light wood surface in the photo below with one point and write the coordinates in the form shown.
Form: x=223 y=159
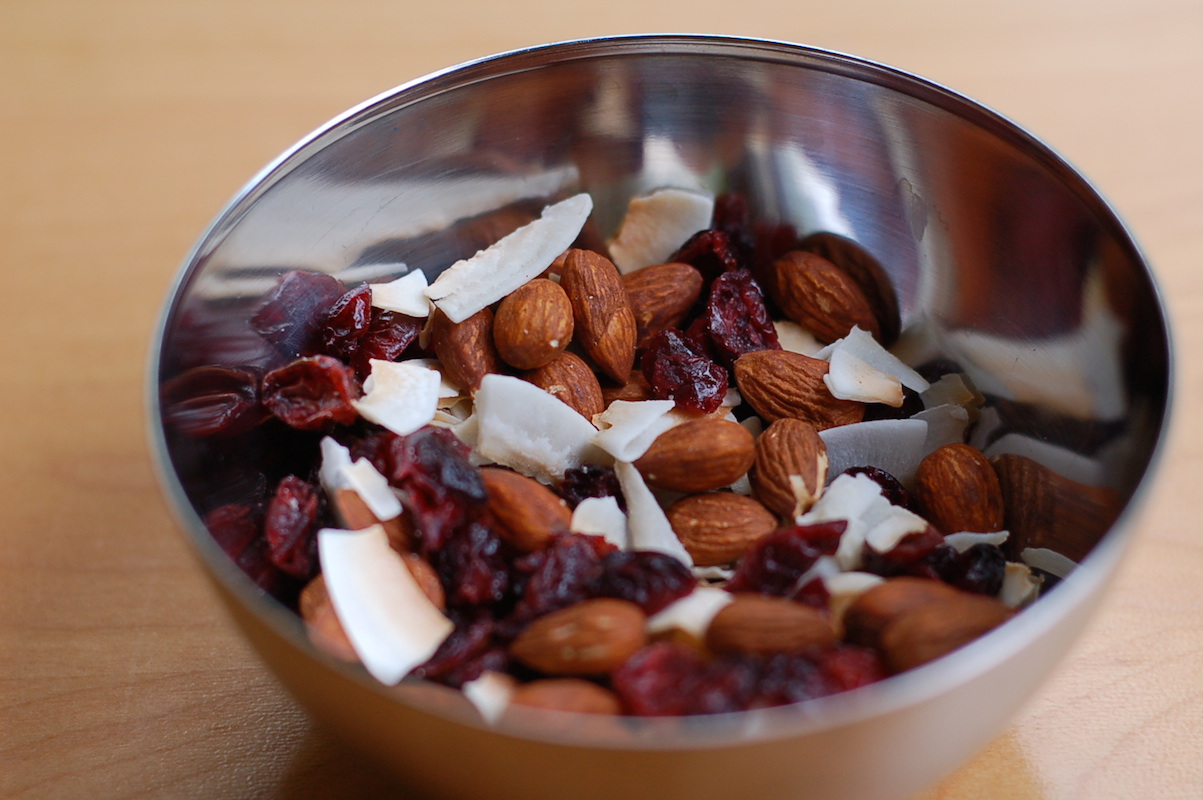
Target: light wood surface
x=124 y=127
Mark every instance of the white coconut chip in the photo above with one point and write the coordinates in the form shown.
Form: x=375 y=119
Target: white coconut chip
x=490 y=693
x=850 y=584
x=627 y=428
x=893 y=445
x=399 y=395
x=951 y=388
x=946 y=424
x=1061 y=460
x=473 y=283
x=1020 y=585
x=373 y=488
x=850 y=377
x=796 y=339
x=530 y=430
x=601 y=516
x=389 y=621
x=405 y=295
x=648 y=526
x=963 y=540
x=899 y=523
x=1049 y=561
x=656 y=224
x=334 y=458
x=856 y=499
x=861 y=344
x=691 y=613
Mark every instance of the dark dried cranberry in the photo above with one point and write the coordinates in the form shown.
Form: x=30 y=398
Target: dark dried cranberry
x=649 y=580
x=212 y=401
x=676 y=369
x=346 y=322
x=979 y=569
x=710 y=251
x=776 y=564
x=465 y=654
x=291 y=317
x=908 y=557
x=565 y=573
x=784 y=678
x=737 y=321
x=442 y=486
x=590 y=480
x=733 y=217
x=290 y=526
x=388 y=336
x=891 y=488
x=234 y=526
x=474 y=566
x=658 y=680
x=312 y=393
x=846 y=667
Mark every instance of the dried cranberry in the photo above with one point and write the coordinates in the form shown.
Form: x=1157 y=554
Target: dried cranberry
x=465 y=654
x=474 y=566
x=212 y=401
x=649 y=580
x=846 y=667
x=784 y=678
x=346 y=322
x=234 y=526
x=312 y=393
x=291 y=317
x=290 y=526
x=733 y=217
x=658 y=680
x=978 y=569
x=709 y=251
x=891 y=488
x=431 y=467
x=388 y=336
x=590 y=480
x=737 y=321
x=565 y=573
x=908 y=557
x=676 y=369
x=776 y=563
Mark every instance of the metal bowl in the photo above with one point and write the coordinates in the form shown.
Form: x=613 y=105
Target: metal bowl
x=1003 y=256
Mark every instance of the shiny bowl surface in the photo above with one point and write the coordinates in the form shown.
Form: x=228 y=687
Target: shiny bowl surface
x=1004 y=258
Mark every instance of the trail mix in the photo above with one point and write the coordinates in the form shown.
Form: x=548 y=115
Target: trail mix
x=680 y=472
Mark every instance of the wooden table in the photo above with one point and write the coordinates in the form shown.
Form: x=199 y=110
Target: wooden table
x=124 y=127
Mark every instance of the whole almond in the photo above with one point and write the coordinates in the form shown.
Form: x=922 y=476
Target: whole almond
x=533 y=324
x=603 y=322
x=790 y=468
x=821 y=297
x=324 y=630
x=427 y=579
x=570 y=379
x=780 y=383
x=591 y=637
x=957 y=490
x=699 y=455
x=717 y=528
x=567 y=694
x=761 y=625
x=875 y=608
x=465 y=349
x=868 y=273
x=660 y=296
x=353 y=514
x=528 y=514
x=932 y=630
x=636 y=388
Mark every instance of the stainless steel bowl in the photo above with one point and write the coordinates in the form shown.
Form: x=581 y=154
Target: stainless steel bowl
x=1003 y=256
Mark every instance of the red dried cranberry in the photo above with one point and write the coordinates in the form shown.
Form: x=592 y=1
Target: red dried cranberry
x=312 y=393
x=234 y=526
x=443 y=488
x=710 y=251
x=565 y=573
x=891 y=488
x=733 y=217
x=291 y=316
x=658 y=680
x=784 y=678
x=474 y=566
x=737 y=321
x=676 y=369
x=346 y=322
x=212 y=401
x=590 y=480
x=846 y=667
x=388 y=336
x=908 y=557
x=649 y=580
x=979 y=569
x=776 y=563
x=465 y=654
x=290 y=526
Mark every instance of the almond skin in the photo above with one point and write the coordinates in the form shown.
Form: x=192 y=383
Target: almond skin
x=874 y=609
x=567 y=694
x=591 y=637
x=697 y=456
x=717 y=528
x=660 y=297
x=528 y=514
x=636 y=388
x=868 y=274
x=957 y=490
x=570 y=379
x=932 y=630
x=603 y=322
x=465 y=349
x=780 y=383
x=321 y=623
x=533 y=324
x=353 y=514
x=821 y=297
x=790 y=468
x=762 y=625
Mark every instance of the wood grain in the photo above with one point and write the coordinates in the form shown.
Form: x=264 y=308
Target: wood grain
x=124 y=127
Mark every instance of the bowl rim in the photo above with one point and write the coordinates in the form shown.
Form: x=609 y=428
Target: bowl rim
x=891 y=695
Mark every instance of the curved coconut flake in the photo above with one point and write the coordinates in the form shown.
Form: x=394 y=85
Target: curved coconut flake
x=373 y=488
x=530 y=430
x=851 y=584
x=334 y=458
x=856 y=499
x=399 y=395
x=601 y=516
x=389 y=620
x=656 y=224
x=470 y=284
x=793 y=337
x=713 y=575
x=691 y=613
x=1049 y=561
x=963 y=540
x=946 y=424
x=850 y=377
x=951 y=388
x=1020 y=585
x=1061 y=460
x=648 y=526
x=899 y=523
x=894 y=445
x=860 y=343
x=405 y=295
x=490 y=693
x=627 y=428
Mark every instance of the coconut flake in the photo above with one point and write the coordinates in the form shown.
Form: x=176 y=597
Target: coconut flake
x=470 y=284
x=627 y=428
x=405 y=295
x=856 y=499
x=850 y=377
x=400 y=396
x=946 y=424
x=490 y=693
x=1049 y=561
x=899 y=523
x=373 y=488
x=691 y=613
x=1020 y=585
x=1061 y=460
x=656 y=224
x=851 y=584
x=389 y=620
x=601 y=516
x=963 y=540
x=793 y=337
x=648 y=526
x=860 y=343
x=334 y=458
x=951 y=388
x=894 y=445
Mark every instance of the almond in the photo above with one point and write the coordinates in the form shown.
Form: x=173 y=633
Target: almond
x=465 y=349
x=660 y=297
x=868 y=274
x=528 y=514
x=353 y=514
x=957 y=490
x=321 y=623
x=572 y=381
x=761 y=625
x=932 y=630
x=875 y=608
x=533 y=324
x=427 y=578
x=567 y=694
x=780 y=383
x=603 y=321
x=636 y=388
x=821 y=297
x=699 y=455
x=591 y=637
x=790 y=468
x=717 y=528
